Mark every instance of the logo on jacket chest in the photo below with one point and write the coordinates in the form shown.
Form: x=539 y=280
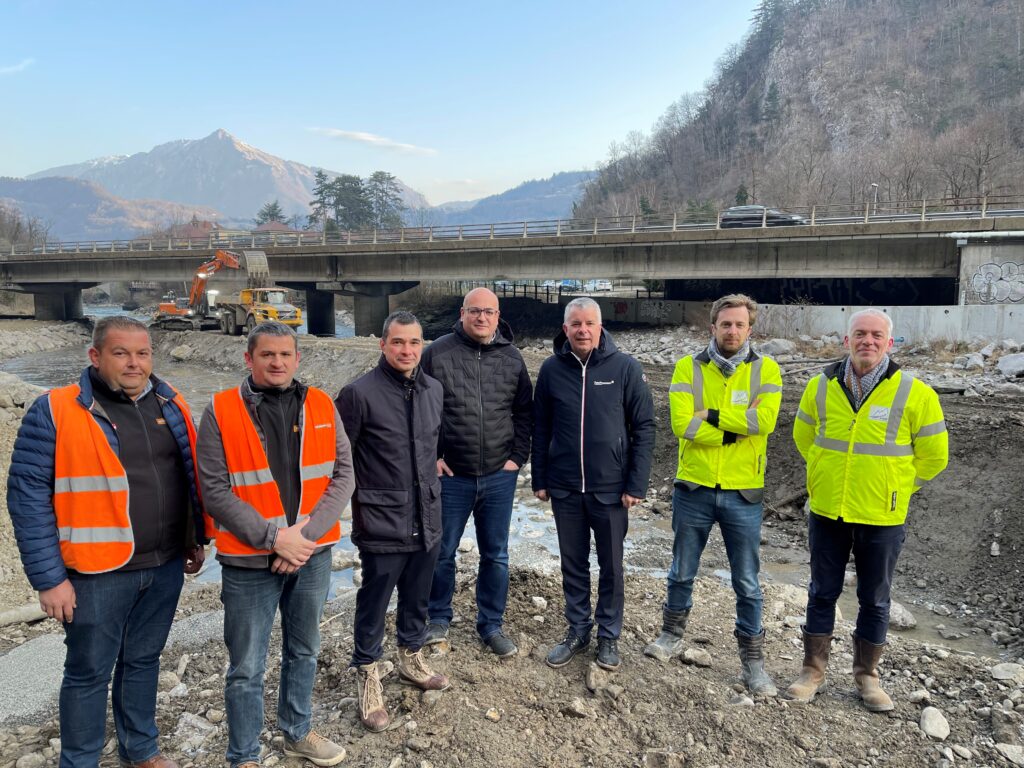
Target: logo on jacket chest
x=603 y=383
x=878 y=413
x=740 y=397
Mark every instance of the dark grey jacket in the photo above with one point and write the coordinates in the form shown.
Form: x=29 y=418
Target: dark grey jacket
x=241 y=518
x=488 y=401
x=393 y=422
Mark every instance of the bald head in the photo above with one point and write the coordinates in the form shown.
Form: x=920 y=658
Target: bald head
x=479 y=315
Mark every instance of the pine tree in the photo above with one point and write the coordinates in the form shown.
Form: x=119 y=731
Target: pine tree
x=270 y=212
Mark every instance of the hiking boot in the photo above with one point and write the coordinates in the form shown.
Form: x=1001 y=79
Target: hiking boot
x=812 y=674
x=414 y=669
x=608 y=653
x=156 y=761
x=436 y=633
x=670 y=642
x=562 y=653
x=865 y=674
x=752 y=661
x=501 y=645
x=372 y=712
x=315 y=748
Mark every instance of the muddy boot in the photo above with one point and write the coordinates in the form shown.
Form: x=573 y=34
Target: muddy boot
x=752 y=660
x=670 y=642
x=414 y=669
x=865 y=675
x=812 y=675
x=372 y=712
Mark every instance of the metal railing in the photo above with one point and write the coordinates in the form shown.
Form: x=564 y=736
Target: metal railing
x=813 y=215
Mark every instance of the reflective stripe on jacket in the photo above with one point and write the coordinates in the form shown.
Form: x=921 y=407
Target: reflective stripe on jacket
x=249 y=468
x=728 y=449
x=90 y=486
x=863 y=466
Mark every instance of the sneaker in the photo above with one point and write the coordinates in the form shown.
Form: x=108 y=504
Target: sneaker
x=414 y=669
x=436 y=633
x=608 y=653
x=501 y=645
x=315 y=748
x=562 y=653
x=372 y=712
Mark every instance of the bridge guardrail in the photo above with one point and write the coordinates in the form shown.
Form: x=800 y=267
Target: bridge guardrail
x=816 y=216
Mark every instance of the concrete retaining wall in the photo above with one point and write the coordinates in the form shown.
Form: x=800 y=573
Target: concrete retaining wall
x=992 y=273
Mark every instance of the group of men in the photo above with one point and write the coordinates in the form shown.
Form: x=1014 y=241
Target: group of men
x=113 y=493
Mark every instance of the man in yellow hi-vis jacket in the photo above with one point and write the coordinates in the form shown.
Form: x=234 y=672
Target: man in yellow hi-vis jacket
x=871 y=436
x=724 y=404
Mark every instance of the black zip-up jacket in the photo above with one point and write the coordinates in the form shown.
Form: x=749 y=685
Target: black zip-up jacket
x=393 y=422
x=593 y=424
x=488 y=401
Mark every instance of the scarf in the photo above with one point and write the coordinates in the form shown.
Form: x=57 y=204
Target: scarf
x=728 y=365
x=860 y=386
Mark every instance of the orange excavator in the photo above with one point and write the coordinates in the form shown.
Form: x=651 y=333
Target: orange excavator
x=193 y=313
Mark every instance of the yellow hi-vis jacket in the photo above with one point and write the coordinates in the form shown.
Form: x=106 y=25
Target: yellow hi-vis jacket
x=728 y=448
x=864 y=466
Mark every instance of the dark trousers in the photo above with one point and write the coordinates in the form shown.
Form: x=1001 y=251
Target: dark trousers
x=875 y=548
x=576 y=515
x=411 y=572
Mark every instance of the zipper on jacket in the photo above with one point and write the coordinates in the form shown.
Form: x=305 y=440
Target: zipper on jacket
x=156 y=475
x=480 y=405
x=416 y=489
x=583 y=413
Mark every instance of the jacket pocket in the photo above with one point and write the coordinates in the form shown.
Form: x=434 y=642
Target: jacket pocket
x=381 y=514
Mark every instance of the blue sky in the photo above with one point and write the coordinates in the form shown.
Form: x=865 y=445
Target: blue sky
x=458 y=99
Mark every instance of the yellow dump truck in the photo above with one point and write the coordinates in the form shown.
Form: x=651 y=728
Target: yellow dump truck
x=254 y=305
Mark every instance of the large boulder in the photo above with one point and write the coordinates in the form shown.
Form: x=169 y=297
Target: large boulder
x=1011 y=366
x=776 y=347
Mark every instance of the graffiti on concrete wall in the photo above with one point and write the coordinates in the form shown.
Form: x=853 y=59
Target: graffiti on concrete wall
x=998 y=283
x=653 y=311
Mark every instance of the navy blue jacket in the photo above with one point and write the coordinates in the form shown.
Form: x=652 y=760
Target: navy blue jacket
x=593 y=425
x=30 y=480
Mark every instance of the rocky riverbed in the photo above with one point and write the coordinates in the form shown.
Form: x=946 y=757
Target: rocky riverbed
x=956 y=678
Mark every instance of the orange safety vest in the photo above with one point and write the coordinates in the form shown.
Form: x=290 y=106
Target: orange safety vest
x=90 y=487
x=249 y=468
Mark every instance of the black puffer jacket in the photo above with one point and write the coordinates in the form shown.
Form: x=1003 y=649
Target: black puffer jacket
x=594 y=424
x=393 y=423
x=488 y=401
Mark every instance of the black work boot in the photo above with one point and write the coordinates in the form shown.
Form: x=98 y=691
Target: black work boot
x=608 y=653
x=670 y=642
x=562 y=653
x=752 y=660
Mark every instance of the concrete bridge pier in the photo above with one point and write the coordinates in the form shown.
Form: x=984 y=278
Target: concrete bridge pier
x=370 y=313
x=65 y=305
x=320 y=320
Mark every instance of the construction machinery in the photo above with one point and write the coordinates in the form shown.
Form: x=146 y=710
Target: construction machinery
x=206 y=309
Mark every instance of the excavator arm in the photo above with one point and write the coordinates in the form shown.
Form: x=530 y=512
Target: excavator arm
x=220 y=260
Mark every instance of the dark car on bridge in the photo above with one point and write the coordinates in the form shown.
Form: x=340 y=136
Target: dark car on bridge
x=756 y=215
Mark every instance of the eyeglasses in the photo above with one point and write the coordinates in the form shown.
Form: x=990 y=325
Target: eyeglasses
x=477 y=311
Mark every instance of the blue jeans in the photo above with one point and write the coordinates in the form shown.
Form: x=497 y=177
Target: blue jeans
x=489 y=499
x=121 y=623
x=693 y=514
x=251 y=597
x=875 y=548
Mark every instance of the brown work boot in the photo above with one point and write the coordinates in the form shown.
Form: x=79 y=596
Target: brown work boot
x=865 y=674
x=372 y=712
x=156 y=761
x=812 y=675
x=318 y=749
x=413 y=668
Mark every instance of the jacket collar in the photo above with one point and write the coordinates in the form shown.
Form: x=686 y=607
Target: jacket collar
x=503 y=335
x=605 y=348
x=835 y=370
x=705 y=357
x=398 y=378
x=254 y=398
x=87 y=396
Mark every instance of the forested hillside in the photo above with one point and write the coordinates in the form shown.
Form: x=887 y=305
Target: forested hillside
x=825 y=97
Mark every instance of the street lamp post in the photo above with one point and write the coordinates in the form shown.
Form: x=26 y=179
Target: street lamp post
x=874 y=199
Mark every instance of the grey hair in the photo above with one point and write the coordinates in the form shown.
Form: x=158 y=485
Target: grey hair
x=583 y=302
x=402 y=317
x=869 y=312
x=115 y=323
x=271 y=328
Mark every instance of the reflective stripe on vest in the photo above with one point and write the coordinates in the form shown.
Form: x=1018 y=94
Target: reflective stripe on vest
x=249 y=471
x=90 y=490
x=892 y=426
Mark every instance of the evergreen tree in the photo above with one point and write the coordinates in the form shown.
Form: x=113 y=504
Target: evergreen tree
x=270 y=212
x=385 y=200
x=351 y=203
x=322 y=204
x=772 y=111
x=742 y=196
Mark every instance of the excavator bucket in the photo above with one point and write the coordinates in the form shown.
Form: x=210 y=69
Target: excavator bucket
x=257 y=269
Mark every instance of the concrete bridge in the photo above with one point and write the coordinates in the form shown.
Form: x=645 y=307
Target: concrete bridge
x=371 y=271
